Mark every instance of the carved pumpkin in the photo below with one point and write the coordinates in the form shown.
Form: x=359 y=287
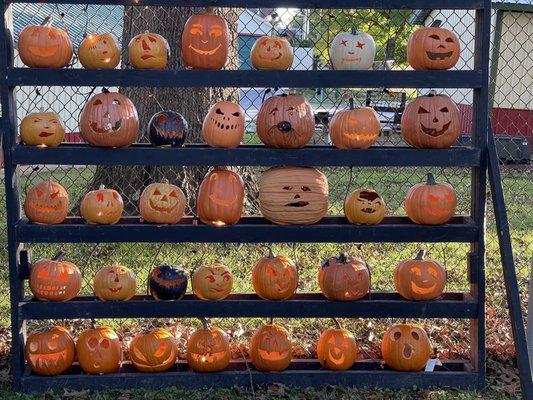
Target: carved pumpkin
x=102 y=206
x=212 y=281
x=354 y=128
x=293 y=195
x=430 y=203
x=162 y=203
x=109 y=120
x=46 y=203
x=270 y=348
x=224 y=125
x=208 y=349
x=114 y=282
x=420 y=279
x=155 y=351
x=431 y=122
x=54 y=279
x=344 y=278
x=220 y=199
x=50 y=352
x=205 y=41
x=272 y=52
x=275 y=277
x=406 y=347
x=99 y=351
x=337 y=349
x=167 y=128
x=43 y=46
x=364 y=206
x=285 y=121
x=148 y=51
x=99 y=51
x=167 y=282
x=352 y=51
x=42 y=129
x=433 y=48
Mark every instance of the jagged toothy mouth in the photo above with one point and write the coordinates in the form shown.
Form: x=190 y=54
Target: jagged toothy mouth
x=368 y=210
x=107 y=128
x=433 y=132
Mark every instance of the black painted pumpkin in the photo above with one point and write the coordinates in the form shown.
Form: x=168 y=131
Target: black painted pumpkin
x=167 y=128
x=168 y=282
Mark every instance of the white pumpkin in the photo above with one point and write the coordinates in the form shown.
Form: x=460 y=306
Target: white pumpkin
x=352 y=51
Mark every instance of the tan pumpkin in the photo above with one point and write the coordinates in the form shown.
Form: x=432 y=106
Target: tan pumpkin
x=114 y=282
x=42 y=129
x=344 y=278
x=99 y=51
x=46 y=203
x=55 y=279
x=364 y=206
x=99 y=351
x=223 y=125
x=162 y=203
x=102 y=206
x=148 y=51
x=354 y=128
x=406 y=347
x=155 y=351
x=212 y=281
x=50 y=352
x=275 y=277
x=272 y=53
x=270 y=348
x=208 y=349
x=337 y=349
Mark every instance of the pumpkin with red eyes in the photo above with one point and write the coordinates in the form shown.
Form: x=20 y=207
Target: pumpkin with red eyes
x=220 y=198
x=99 y=351
x=272 y=52
x=162 y=203
x=99 y=51
x=337 y=349
x=114 y=282
x=275 y=277
x=148 y=51
x=43 y=46
x=212 y=281
x=155 y=351
x=167 y=282
x=102 y=206
x=224 y=125
x=50 y=352
x=46 y=203
x=364 y=206
x=55 y=279
x=205 y=41
x=344 y=278
x=167 y=128
x=430 y=203
x=352 y=51
x=431 y=122
x=208 y=349
x=42 y=129
x=406 y=347
x=433 y=48
x=270 y=348
x=354 y=128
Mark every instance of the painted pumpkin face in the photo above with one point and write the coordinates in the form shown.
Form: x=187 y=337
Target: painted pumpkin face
x=208 y=350
x=272 y=53
x=223 y=125
x=102 y=206
x=343 y=278
x=99 y=351
x=354 y=128
x=270 y=348
x=155 y=351
x=167 y=128
x=433 y=48
x=55 y=280
x=352 y=51
x=42 y=129
x=162 y=203
x=50 y=352
x=212 y=282
x=285 y=121
x=114 y=282
x=364 y=206
x=275 y=277
x=168 y=282
x=148 y=51
x=337 y=349
x=406 y=347
x=46 y=203
x=99 y=51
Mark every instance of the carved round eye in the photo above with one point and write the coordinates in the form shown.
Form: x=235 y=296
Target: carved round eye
x=116 y=102
x=92 y=343
x=436 y=37
x=422 y=110
x=236 y=114
x=53 y=343
x=210 y=278
x=395 y=335
x=105 y=343
x=34 y=347
x=306 y=189
x=415 y=335
x=104 y=41
x=97 y=102
x=157 y=192
x=161 y=119
x=100 y=197
x=219 y=111
x=54 y=121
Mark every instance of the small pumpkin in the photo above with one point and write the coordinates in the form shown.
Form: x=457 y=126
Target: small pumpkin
x=430 y=203
x=337 y=349
x=344 y=278
x=114 y=282
x=50 y=352
x=406 y=347
x=167 y=128
x=223 y=125
x=46 y=203
x=352 y=51
x=270 y=348
x=208 y=349
x=364 y=206
x=354 y=128
x=99 y=51
x=42 y=129
x=55 y=279
x=272 y=53
x=275 y=277
x=102 y=206
x=162 y=203
x=155 y=351
x=99 y=351
x=212 y=281
x=148 y=51
x=167 y=282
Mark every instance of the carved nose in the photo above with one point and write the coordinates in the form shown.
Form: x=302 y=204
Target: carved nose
x=297 y=196
x=116 y=278
x=435 y=120
x=164 y=198
x=285 y=126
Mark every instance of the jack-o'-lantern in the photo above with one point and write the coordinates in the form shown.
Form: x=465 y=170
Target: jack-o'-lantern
x=99 y=51
x=220 y=199
x=433 y=48
x=102 y=206
x=352 y=51
x=205 y=41
x=270 y=348
x=148 y=51
x=167 y=282
x=43 y=46
x=50 y=352
x=354 y=128
x=364 y=206
x=167 y=128
x=224 y=125
x=42 y=129
x=293 y=195
x=431 y=122
x=275 y=277
x=430 y=203
x=162 y=203
x=55 y=279
x=114 y=282
x=155 y=351
x=212 y=281
x=46 y=203
x=406 y=347
x=99 y=351
x=285 y=121
x=420 y=278
x=208 y=349
x=272 y=52
x=109 y=119
x=344 y=278
x=337 y=349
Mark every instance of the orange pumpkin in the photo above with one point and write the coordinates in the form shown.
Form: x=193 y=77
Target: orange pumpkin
x=212 y=281
x=99 y=351
x=155 y=351
x=337 y=349
x=50 y=352
x=42 y=129
x=270 y=348
x=162 y=203
x=54 y=279
x=272 y=52
x=364 y=206
x=406 y=347
x=102 y=206
x=46 y=203
x=114 y=282
x=99 y=51
x=354 y=128
x=275 y=277
x=208 y=349
x=344 y=278
x=148 y=51
x=224 y=125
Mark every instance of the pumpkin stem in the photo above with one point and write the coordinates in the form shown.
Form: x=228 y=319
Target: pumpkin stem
x=205 y=323
x=271 y=322
x=209 y=10
x=420 y=255
x=437 y=23
x=337 y=323
x=431 y=179
x=352 y=105
x=432 y=93
x=165 y=181
x=104 y=90
x=343 y=257
x=47 y=21
x=101 y=187
x=59 y=255
x=270 y=252
x=354 y=30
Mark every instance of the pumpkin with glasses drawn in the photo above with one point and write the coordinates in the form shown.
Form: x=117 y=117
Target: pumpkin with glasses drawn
x=364 y=206
x=167 y=128
x=42 y=129
x=148 y=50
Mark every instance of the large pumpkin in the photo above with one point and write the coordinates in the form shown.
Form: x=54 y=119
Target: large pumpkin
x=99 y=351
x=109 y=119
x=102 y=206
x=46 y=203
x=114 y=282
x=431 y=122
x=270 y=348
x=43 y=46
x=208 y=349
x=99 y=51
x=212 y=281
x=50 y=352
x=406 y=347
x=364 y=206
x=430 y=203
x=354 y=128
x=42 y=129
x=419 y=278
x=337 y=349
x=148 y=51
x=54 y=279
x=275 y=277
x=155 y=351
x=293 y=195
x=223 y=125
x=205 y=41
x=167 y=282
x=220 y=199
x=285 y=121
x=344 y=278
x=167 y=128
x=162 y=203
x=272 y=52
x=352 y=51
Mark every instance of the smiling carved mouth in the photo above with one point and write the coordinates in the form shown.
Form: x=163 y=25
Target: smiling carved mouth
x=222 y=202
x=350 y=59
x=438 y=56
x=146 y=56
x=45 y=134
x=297 y=204
x=205 y=52
x=433 y=132
x=107 y=128
x=47 y=51
x=115 y=289
x=368 y=210
x=358 y=136
x=435 y=211
x=271 y=58
x=155 y=207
